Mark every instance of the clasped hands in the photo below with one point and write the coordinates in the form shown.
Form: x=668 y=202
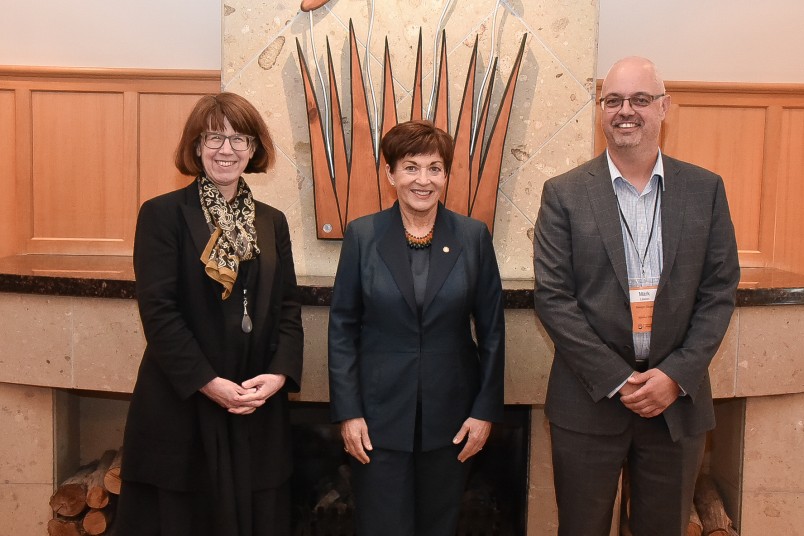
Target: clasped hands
x=649 y=393
x=244 y=398
x=356 y=440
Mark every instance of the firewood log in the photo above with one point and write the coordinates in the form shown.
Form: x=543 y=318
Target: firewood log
x=111 y=481
x=98 y=521
x=694 y=528
x=713 y=516
x=97 y=496
x=64 y=527
x=70 y=497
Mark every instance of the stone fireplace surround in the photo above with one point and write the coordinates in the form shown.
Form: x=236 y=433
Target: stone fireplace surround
x=72 y=345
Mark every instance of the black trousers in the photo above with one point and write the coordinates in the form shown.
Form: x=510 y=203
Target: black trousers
x=409 y=493
x=586 y=470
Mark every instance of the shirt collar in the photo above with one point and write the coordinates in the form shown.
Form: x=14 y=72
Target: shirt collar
x=658 y=169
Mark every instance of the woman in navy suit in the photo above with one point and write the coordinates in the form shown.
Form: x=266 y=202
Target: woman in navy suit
x=207 y=441
x=416 y=345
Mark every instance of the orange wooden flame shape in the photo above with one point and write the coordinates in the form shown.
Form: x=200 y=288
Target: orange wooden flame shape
x=352 y=188
x=311 y=5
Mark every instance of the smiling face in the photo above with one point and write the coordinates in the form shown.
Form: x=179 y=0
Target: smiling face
x=224 y=165
x=419 y=180
x=630 y=127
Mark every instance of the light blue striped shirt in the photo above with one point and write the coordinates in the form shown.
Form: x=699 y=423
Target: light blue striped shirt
x=641 y=211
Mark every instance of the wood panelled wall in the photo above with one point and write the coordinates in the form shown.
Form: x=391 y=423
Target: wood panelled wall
x=83 y=148
x=753 y=136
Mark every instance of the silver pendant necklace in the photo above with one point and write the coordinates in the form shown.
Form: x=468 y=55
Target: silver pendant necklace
x=246 y=324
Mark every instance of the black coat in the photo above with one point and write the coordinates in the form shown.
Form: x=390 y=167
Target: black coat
x=382 y=351
x=183 y=321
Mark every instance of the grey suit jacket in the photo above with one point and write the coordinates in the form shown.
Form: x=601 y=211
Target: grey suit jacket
x=582 y=299
x=384 y=354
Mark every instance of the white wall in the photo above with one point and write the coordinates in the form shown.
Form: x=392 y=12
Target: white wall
x=707 y=40
x=151 y=34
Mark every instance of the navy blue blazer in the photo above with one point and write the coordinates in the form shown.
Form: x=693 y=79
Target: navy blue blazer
x=384 y=354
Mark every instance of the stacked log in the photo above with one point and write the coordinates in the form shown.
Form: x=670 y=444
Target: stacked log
x=707 y=516
x=83 y=504
x=111 y=480
x=713 y=517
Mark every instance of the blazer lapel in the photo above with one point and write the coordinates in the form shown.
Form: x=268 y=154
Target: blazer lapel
x=672 y=208
x=194 y=217
x=393 y=250
x=607 y=216
x=444 y=253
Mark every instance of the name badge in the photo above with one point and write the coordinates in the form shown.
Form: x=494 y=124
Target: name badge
x=642 y=300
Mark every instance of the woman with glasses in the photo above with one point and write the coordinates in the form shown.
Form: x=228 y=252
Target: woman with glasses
x=207 y=441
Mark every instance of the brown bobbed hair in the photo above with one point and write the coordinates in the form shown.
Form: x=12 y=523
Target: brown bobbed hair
x=208 y=114
x=414 y=138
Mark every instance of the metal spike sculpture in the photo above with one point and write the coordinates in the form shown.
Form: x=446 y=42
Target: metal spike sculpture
x=349 y=186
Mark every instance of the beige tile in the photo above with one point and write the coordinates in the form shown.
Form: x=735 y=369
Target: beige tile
x=282 y=186
x=512 y=240
x=249 y=27
x=26 y=441
x=722 y=370
x=568 y=30
x=774 y=443
x=107 y=344
x=570 y=146
x=542 y=512
x=772 y=513
x=770 y=350
x=24 y=509
x=315 y=377
x=35 y=345
x=529 y=354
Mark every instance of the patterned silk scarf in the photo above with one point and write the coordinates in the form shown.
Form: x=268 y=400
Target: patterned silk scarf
x=234 y=237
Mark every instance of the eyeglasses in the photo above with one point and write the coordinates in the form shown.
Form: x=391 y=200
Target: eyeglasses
x=215 y=140
x=612 y=103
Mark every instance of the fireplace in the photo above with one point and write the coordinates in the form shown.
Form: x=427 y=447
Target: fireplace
x=494 y=502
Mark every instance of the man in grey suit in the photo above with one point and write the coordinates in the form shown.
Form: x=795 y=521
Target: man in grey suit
x=636 y=271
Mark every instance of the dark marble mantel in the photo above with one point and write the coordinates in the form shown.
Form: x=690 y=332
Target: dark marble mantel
x=113 y=277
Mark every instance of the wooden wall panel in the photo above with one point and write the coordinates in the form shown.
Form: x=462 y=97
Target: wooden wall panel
x=729 y=140
x=161 y=120
x=8 y=166
x=753 y=136
x=790 y=220
x=87 y=147
x=79 y=191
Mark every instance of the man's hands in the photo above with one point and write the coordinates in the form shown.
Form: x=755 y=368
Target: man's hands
x=246 y=398
x=649 y=393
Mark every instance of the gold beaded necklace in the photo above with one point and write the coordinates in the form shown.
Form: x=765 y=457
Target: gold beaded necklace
x=419 y=242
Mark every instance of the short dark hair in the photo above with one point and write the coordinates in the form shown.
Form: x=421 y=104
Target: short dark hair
x=417 y=137
x=209 y=112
